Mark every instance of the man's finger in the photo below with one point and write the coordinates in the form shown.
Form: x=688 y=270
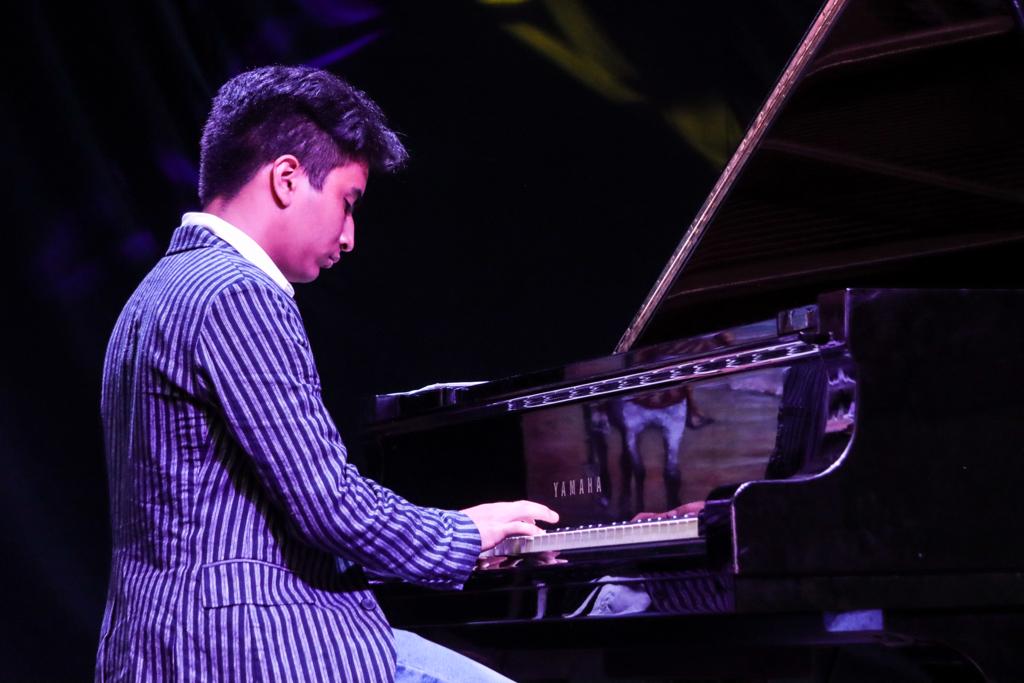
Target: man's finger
x=689 y=508
x=521 y=529
x=530 y=511
x=644 y=516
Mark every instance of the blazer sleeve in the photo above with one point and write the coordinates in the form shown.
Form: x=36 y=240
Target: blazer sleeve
x=255 y=364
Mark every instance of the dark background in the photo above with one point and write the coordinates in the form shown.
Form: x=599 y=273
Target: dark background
x=559 y=150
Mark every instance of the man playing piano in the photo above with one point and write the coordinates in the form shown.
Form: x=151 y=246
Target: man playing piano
x=240 y=531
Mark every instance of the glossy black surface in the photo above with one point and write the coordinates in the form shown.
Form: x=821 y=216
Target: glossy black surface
x=891 y=160
x=397 y=409
x=861 y=487
x=928 y=482
x=884 y=489
x=684 y=419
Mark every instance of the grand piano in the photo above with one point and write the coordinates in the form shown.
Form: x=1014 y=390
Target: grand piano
x=805 y=454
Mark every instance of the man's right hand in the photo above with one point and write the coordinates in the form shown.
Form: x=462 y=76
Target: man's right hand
x=498 y=520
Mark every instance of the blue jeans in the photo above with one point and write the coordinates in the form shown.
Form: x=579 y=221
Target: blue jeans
x=421 y=661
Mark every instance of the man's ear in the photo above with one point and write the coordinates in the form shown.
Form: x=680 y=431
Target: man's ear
x=284 y=179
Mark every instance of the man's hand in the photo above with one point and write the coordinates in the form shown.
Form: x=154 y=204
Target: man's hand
x=684 y=509
x=498 y=520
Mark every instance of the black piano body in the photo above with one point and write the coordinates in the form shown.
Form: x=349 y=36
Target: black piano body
x=830 y=365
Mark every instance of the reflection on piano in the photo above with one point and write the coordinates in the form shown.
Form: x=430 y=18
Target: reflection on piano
x=857 y=462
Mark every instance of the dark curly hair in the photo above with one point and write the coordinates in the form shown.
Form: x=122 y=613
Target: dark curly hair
x=261 y=114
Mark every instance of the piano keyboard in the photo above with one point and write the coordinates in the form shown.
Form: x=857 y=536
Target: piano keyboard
x=599 y=536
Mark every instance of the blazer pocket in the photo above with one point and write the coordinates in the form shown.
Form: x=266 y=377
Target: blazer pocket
x=251 y=582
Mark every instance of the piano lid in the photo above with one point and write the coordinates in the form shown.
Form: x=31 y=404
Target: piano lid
x=889 y=153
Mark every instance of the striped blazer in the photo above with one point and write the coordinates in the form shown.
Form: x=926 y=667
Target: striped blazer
x=240 y=531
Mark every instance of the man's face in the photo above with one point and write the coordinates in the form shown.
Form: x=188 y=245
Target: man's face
x=320 y=223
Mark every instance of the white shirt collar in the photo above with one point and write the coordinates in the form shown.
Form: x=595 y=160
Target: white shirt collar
x=250 y=250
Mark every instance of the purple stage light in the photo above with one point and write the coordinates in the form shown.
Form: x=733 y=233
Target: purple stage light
x=139 y=247
x=345 y=51
x=177 y=168
x=275 y=37
x=60 y=266
x=334 y=13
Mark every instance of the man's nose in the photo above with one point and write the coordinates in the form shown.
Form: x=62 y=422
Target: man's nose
x=347 y=242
